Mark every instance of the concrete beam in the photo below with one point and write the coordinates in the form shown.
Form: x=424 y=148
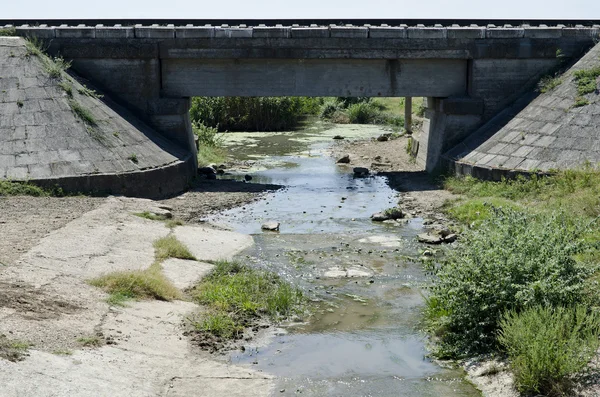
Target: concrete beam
x=312 y=77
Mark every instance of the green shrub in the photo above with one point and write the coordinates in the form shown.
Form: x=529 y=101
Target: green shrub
x=514 y=260
x=10 y=188
x=547 y=346
x=362 y=113
x=330 y=106
x=207 y=136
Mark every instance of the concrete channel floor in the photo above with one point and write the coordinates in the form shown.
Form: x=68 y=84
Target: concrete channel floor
x=150 y=355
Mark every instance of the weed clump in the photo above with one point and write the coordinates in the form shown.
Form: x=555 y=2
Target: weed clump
x=170 y=247
x=150 y=283
x=546 y=346
x=238 y=296
x=585 y=80
x=548 y=83
x=137 y=284
x=83 y=113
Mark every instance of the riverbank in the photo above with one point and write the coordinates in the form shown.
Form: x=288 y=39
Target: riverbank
x=419 y=193
x=63 y=336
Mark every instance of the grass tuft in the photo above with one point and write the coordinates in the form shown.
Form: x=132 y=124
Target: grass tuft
x=548 y=83
x=238 y=295
x=66 y=87
x=137 y=284
x=84 y=114
x=547 y=346
x=89 y=92
x=170 y=247
x=56 y=67
x=90 y=341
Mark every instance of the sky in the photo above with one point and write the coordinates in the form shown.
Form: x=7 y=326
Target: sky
x=310 y=9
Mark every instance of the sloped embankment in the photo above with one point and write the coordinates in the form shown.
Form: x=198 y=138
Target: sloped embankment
x=558 y=130
x=56 y=131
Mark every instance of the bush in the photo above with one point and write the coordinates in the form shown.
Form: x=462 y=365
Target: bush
x=362 y=113
x=546 y=346
x=207 y=136
x=329 y=107
x=513 y=261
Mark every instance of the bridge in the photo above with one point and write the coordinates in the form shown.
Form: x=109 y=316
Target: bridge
x=468 y=70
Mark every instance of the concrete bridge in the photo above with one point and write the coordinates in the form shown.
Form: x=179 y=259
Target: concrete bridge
x=468 y=71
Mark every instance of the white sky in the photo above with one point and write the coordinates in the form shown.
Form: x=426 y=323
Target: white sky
x=231 y=9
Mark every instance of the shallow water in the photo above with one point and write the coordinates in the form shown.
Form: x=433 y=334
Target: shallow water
x=364 y=338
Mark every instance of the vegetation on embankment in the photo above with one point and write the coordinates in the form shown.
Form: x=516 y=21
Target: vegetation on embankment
x=239 y=297
x=528 y=256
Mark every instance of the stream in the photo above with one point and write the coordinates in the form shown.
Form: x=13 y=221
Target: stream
x=365 y=337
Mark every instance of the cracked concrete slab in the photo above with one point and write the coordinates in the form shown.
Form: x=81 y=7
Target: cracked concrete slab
x=148 y=354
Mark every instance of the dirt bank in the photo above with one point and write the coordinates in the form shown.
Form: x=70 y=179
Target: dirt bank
x=419 y=192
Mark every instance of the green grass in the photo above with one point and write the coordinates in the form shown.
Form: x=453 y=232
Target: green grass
x=575 y=191
x=211 y=155
x=473 y=212
x=210 y=144
x=548 y=83
x=56 y=67
x=89 y=92
x=170 y=247
x=63 y=352
x=82 y=113
x=10 y=188
x=547 y=346
x=150 y=283
x=137 y=284
x=530 y=242
x=66 y=87
x=236 y=294
x=90 y=341
x=580 y=101
x=133 y=158
x=586 y=80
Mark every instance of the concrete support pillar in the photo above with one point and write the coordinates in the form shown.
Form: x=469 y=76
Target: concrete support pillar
x=447 y=122
x=408 y=114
